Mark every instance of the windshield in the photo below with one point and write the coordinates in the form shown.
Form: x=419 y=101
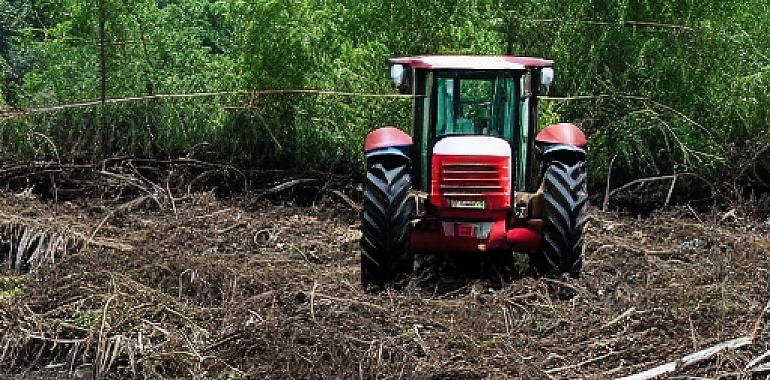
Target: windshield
x=479 y=106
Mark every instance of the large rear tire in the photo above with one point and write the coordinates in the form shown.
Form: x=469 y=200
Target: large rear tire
x=386 y=224
x=566 y=198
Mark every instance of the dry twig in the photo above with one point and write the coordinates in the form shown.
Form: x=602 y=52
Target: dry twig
x=690 y=360
x=285 y=185
x=124 y=207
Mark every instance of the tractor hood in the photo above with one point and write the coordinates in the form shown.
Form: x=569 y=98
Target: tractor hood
x=470 y=173
x=472 y=146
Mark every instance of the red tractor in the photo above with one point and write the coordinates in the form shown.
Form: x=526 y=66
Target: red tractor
x=474 y=177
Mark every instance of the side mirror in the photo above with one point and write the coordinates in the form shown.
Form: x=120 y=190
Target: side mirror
x=400 y=78
x=546 y=80
x=525 y=90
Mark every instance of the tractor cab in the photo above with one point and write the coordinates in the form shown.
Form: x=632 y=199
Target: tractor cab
x=475 y=175
x=493 y=96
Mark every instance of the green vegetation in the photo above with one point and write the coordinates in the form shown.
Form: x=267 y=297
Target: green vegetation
x=87 y=318
x=10 y=287
x=663 y=86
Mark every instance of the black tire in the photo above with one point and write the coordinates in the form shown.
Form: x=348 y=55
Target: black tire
x=566 y=198
x=386 y=223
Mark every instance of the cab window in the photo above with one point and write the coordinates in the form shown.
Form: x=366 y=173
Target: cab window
x=476 y=106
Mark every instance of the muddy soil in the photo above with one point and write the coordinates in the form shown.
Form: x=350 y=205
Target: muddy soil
x=256 y=288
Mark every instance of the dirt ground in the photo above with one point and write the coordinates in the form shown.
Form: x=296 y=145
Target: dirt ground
x=256 y=288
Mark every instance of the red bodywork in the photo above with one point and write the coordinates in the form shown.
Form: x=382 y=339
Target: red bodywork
x=473 y=226
x=491 y=62
x=562 y=133
x=470 y=178
x=504 y=234
x=386 y=137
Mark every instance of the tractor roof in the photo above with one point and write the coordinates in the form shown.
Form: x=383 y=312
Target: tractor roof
x=471 y=62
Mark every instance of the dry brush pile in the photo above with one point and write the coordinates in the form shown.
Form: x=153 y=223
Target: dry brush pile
x=257 y=287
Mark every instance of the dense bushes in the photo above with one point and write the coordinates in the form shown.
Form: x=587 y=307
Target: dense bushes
x=663 y=86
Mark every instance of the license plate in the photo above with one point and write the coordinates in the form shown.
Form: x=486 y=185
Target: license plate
x=478 y=230
x=465 y=230
x=467 y=204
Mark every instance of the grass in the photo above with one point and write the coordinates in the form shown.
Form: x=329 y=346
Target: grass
x=276 y=131
x=11 y=287
x=87 y=318
x=299 y=132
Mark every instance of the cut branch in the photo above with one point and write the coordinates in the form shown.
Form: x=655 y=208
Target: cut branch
x=654 y=103
x=88 y=104
x=124 y=207
x=640 y=181
x=578 y=365
x=612 y=23
x=690 y=360
x=285 y=185
x=346 y=199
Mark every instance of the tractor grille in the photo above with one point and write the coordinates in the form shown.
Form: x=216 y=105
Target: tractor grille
x=470 y=179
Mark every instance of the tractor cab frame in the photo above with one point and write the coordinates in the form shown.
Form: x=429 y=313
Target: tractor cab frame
x=445 y=88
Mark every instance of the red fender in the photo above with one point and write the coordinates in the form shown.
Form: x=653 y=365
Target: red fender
x=562 y=133
x=386 y=137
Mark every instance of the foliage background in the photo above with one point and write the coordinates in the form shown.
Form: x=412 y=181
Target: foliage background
x=660 y=86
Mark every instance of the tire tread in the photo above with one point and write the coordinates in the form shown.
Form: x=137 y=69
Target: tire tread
x=566 y=199
x=386 y=224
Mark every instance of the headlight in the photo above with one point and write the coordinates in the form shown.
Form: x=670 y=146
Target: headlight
x=546 y=79
x=397 y=75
